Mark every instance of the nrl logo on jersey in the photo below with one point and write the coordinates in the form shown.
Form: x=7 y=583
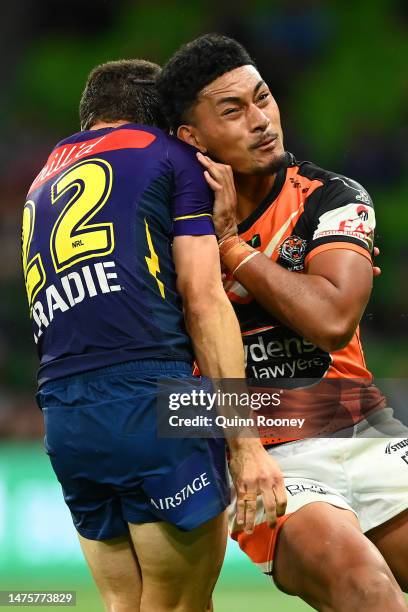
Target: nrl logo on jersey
x=293 y=251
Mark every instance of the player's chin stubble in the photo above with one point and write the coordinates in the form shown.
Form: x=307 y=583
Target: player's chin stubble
x=271 y=167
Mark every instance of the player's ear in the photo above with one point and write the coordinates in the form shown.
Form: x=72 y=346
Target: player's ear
x=190 y=136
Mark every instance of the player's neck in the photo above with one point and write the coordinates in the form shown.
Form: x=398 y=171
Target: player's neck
x=107 y=124
x=251 y=191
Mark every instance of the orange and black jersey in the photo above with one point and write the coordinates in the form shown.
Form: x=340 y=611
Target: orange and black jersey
x=309 y=210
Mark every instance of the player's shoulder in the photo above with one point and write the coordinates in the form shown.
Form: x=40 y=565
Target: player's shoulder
x=183 y=159
x=180 y=150
x=123 y=135
x=334 y=186
x=338 y=209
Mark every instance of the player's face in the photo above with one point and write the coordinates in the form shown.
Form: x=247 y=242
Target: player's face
x=237 y=122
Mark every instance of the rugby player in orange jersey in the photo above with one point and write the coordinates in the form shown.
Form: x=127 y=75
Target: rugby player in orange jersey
x=299 y=289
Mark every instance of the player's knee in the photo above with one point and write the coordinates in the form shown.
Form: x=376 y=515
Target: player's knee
x=364 y=587
x=121 y=603
x=119 y=597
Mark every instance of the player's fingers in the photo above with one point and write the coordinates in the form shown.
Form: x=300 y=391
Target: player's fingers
x=219 y=172
x=240 y=518
x=280 y=498
x=212 y=182
x=203 y=159
x=206 y=162
x=376 y=269
x=269 y=502
x=250 y=513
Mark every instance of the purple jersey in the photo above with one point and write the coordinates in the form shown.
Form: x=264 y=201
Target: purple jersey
x=96 y=245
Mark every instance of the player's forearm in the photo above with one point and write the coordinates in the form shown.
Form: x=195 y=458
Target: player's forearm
x=216 y=338
x=307 y=303
x=215 y=334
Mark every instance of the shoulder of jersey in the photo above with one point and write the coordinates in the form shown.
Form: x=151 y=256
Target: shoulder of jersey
x=175 y=144
x=310 y=170
x=329 y=178
x=91 y=134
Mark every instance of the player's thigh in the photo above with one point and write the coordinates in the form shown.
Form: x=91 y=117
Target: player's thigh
x=319 y=547
x=116 y=571
x=179 y=568
x=391 y=539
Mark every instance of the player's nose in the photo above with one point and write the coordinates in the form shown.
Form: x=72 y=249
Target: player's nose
x=258 y=120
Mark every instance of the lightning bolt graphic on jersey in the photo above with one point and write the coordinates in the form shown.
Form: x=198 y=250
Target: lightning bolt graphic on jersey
x=153 y=261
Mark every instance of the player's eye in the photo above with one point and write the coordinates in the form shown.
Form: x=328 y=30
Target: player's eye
x=230 y=111
x=264 y=96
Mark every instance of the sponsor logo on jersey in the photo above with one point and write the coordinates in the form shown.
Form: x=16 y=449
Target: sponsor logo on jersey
x=279 y=353
x=190 y=489
x=393 y=448
x=352 y=221
x=293 y=251
x=362 y=212
x=295 y=489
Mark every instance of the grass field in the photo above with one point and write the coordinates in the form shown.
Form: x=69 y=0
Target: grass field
x=253 y=595
x=226 y=599
x=39 y=549
x=241 y=588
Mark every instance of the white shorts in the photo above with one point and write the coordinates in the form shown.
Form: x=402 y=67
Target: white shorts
x=366 y=473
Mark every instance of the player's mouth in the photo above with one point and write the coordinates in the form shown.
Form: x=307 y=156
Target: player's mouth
x=267 y=143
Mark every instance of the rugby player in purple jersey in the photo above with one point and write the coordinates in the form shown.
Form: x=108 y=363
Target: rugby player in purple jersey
x=124 y=287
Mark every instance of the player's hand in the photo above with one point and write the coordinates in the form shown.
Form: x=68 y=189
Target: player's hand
x=254 y=472
x=376 y=269
x=221 y=180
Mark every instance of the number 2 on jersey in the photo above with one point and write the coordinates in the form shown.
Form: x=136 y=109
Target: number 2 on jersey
x=34 y=274
x=73 y=238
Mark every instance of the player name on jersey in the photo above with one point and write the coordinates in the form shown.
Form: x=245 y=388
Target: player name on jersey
x=72 y=289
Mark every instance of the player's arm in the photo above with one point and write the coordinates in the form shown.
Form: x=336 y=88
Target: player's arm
x=215 y=334
x=325 y=305
x=210 y=318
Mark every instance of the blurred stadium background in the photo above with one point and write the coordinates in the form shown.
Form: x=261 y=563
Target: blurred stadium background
x=338 y=72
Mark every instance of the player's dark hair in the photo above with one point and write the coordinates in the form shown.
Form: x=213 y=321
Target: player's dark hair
x=122 y=90
x=194 y=66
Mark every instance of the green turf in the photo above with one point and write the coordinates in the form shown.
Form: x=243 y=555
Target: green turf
x=226 y=599
x=241 y=587
x=244 y=594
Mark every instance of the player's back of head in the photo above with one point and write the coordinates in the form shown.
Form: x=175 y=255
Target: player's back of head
x=122 y=90
x=193 y=67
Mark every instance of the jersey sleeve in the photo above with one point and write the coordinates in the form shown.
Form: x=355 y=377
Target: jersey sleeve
x=193 y=199
x=343 y=219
